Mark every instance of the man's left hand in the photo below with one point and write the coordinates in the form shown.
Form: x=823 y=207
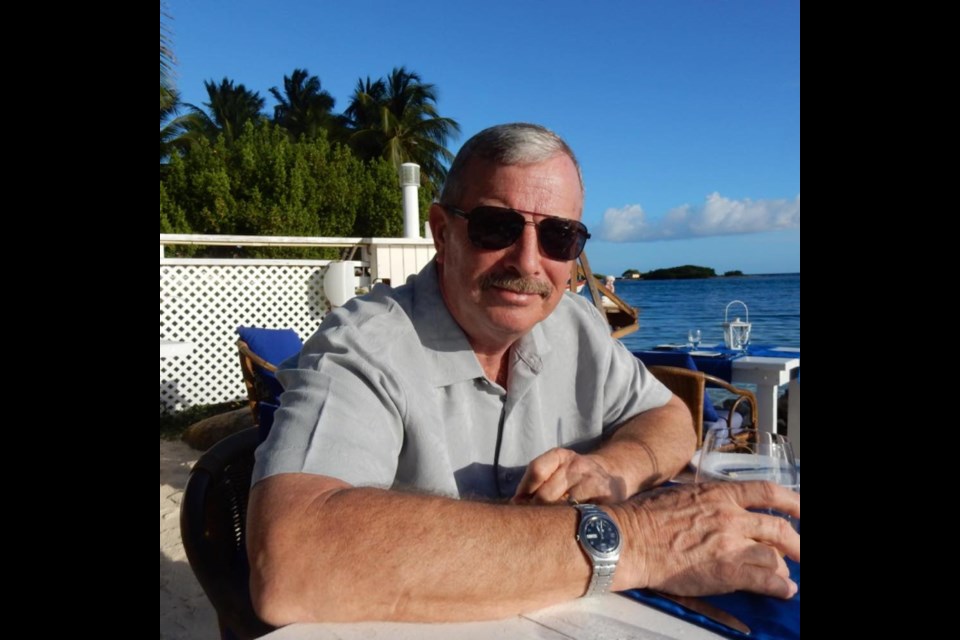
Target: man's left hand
x=562 y=475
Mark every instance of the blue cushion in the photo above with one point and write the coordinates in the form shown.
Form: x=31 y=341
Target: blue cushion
x=683 y=360
x=273 y=345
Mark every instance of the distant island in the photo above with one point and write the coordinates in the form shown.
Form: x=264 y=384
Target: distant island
x=685 y=272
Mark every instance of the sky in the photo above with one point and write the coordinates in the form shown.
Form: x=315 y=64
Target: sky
x=684 y=114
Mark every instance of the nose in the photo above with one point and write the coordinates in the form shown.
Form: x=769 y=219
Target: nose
x=524 y=255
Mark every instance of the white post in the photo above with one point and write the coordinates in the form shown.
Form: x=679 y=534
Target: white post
x=410 y=181
x=793 y=415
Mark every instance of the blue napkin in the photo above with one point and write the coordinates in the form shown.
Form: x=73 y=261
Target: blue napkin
x=768 y=618
x=719 y=366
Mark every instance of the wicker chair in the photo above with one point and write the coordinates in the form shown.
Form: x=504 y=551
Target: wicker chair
x=213 y=516
x=689 y=386
x=257 y=390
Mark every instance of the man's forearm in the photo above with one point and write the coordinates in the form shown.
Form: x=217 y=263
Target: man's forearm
x=651 y=447
x=368 y=554
x=319 y=551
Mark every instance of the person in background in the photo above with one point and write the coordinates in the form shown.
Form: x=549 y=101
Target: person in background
x=473 y=444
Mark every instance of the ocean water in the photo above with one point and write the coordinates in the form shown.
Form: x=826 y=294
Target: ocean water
x=669 y=308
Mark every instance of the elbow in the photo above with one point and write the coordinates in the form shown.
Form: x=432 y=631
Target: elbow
x=294 y=581
x=284 y=593
x=288 y=569
x=274 y=599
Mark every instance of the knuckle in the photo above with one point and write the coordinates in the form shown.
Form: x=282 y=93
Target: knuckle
x=536 y=472
x=784 y=530
x=726 y=545
x=726 y=572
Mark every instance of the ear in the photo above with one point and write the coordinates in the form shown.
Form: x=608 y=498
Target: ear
x=438 y=227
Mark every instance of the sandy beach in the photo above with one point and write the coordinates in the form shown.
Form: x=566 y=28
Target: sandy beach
x=185 y=611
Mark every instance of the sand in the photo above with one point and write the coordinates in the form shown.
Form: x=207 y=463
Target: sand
x=185 y=611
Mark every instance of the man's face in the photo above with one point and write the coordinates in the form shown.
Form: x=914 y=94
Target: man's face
x=495 y=316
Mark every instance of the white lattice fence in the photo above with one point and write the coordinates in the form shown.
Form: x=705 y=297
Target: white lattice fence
x=203 y=302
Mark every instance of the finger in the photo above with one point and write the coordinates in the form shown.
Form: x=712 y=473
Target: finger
x=763 y=580
x=765 y=495
x=765 y=557
x=562 y=486
x=777 y=532
x=579 y=478
x=540 y=470
x=782 y=569
x=523 y=492
x=544 y=467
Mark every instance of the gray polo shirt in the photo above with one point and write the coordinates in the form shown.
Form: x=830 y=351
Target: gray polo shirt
x=388 y=393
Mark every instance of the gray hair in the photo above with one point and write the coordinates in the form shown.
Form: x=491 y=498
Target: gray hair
x=505 y=144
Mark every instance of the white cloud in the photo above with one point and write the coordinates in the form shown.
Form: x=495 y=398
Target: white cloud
x=718 y=216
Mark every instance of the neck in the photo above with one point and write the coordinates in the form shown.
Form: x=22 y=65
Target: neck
x=496 y=365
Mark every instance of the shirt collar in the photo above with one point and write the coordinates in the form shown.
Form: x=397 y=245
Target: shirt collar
x=446 y=343
x=440 y=335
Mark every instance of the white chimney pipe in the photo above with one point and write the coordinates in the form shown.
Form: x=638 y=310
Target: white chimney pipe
x=410 y=181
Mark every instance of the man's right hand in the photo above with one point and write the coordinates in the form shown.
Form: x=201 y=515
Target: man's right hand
x=700 y=539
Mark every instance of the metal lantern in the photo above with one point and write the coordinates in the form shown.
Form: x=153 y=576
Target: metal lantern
x=736 y=334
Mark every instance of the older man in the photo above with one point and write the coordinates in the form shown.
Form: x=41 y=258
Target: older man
x=440 y=444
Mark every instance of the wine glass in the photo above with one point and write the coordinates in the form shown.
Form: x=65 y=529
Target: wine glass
x=693 y=338
x=748 y=454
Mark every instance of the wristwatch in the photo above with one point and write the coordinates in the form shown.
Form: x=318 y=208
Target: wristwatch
x=600 y=539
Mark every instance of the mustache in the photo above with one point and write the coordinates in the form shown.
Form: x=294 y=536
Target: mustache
x=516 y=283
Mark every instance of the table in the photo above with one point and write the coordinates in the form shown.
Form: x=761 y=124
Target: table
x=768 y=368
x=768 y=374
x=608 y=617
x=174 y=348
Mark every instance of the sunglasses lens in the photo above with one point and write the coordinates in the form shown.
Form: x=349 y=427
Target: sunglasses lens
x=561 y=239
x=494 y=227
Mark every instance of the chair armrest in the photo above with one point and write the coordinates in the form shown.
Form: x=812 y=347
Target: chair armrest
x=744 y=394
x=688 y=385
x=257 y=360
x=255 y=391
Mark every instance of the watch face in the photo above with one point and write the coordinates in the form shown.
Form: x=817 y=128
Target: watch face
x=601 y=534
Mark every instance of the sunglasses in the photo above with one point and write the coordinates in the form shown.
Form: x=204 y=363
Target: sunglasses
x=493 y=228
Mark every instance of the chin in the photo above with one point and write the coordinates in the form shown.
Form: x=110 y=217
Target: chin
x=516 y=320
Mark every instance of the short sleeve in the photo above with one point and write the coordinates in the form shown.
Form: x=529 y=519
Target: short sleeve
x=340 y=416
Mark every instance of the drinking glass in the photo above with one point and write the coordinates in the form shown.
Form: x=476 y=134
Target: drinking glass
x=693 y=337
x=748 y=454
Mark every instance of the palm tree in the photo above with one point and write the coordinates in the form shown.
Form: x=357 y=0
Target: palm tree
x=396 y=118
x=169 y=98
x=304 y=108
x=230 y=107
x=170 y=127
x=166 y=63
